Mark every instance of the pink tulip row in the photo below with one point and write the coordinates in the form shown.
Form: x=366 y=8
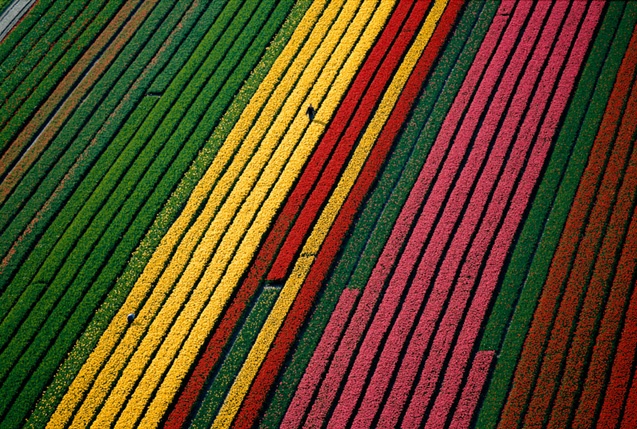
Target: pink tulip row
x=516 y=207
x=366 y=306
x=476 y=380
x=405 y=265
x=364 y=94
x=460 y=241
x=439 y=251
x=386 y=311
x=320 y=359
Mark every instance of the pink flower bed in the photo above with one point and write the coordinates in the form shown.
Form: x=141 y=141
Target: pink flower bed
x=374 y=287
x=442 y=235
x=320 y=359
x=470 y=329
x=471 y=393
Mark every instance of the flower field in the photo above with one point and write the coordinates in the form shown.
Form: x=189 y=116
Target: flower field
x=448 y=240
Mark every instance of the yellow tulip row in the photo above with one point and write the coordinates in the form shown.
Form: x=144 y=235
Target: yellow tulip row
x=163 y=321
x=239 y=210
x=302 y=267
x=237 y=262
x=166 y=250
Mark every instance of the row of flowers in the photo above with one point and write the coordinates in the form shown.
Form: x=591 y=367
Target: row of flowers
x=219 y=385
x=604 y=367
x=495 y=213
x=567 y=160
x=175 y=27
x=529 y=365
x=45 y=275
x=476 y=380
x=291 y=378
x=580 y=307
x=301 y=18
x=312 y=191
x=75 y=84
x=199 y=57
x=50 y=66
x=335 y=207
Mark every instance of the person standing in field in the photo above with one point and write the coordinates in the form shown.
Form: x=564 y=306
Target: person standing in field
x=310 y=112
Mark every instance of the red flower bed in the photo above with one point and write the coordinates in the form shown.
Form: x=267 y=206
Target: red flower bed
x=620 y=377
x=601 y=360
x=351 y=118
x=547 y=306
x=596 y=291
x=305 y=299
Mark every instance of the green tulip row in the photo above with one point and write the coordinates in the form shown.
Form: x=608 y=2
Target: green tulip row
x=141 y=221
x=31 y=29
x=31 y=325
x=45 y=66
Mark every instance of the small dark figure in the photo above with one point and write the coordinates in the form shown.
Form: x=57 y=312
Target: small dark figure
x=310 y=112
x=130 y=317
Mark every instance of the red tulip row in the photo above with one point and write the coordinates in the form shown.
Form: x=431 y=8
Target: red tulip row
x=611 y=231
x=295 y=202
x=307 y=296
x=619 y=307
x=345 y=218
x=543 y=320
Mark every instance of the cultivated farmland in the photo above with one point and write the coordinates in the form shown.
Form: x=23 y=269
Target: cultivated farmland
x=312 y=213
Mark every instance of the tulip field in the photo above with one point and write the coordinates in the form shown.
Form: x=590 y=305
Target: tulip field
x=446 y=238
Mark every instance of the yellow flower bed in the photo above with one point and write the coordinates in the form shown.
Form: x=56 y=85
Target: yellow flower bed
x=302 y=267
x=164 y=251
x=164 y=320
x=236 y=201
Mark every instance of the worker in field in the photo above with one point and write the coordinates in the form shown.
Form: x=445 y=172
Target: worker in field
x=311 y=112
